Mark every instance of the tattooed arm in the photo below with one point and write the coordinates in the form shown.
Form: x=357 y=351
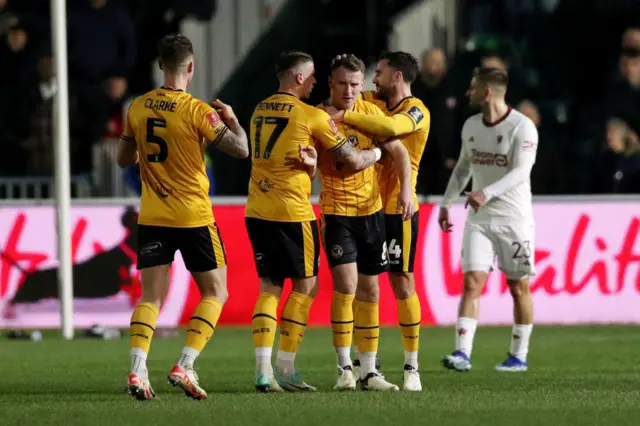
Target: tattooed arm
x=355 y=160
x=233 y=140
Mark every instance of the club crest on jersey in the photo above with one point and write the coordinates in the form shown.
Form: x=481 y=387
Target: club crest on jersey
x=499 y=139
x=266 y=185
x=333 y=126
x=416 y=114
x=353 y=140
x=213 y=118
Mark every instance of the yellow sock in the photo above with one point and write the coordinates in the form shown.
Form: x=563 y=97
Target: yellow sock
x=203 y=323
x=342 y=319
x=367 y=326
x=409 y=316
x=293 y=321
x=143 y=325
x=264 y=322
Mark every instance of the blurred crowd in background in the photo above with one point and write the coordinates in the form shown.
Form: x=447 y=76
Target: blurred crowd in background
x=111 y=54
x=574 y=68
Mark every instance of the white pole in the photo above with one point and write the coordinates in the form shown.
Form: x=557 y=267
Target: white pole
x=62 y=168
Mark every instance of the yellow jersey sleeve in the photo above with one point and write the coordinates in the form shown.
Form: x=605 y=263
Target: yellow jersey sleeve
x=417 y=113
x=128 y=134
x=373 y=110
x=325 y=130
x=208 y=122
x=384 y=127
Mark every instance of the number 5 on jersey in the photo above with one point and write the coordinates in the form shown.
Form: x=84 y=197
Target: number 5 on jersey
x=279 y=122
x=152 y=123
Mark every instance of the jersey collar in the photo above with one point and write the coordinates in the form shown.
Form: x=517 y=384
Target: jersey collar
x=398 y=104
x=287 y=93
x=171 y=89
x=499 y=120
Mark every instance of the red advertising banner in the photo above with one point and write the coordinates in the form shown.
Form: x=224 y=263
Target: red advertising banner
x=587 y=258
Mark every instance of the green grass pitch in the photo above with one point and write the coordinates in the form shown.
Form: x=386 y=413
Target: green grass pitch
x=578 y=376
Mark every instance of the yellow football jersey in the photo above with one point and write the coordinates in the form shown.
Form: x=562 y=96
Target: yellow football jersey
x=415 y=140
x=280 y=186
x=349 y=193
x=170 y=128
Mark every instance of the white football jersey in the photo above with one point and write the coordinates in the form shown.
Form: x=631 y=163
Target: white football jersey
x=498 y=157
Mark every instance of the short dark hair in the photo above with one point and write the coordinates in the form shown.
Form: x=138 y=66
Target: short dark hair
x=350 y=62
x=289 y=60
x=173 y=51
x=404 y=62
x=491 y=76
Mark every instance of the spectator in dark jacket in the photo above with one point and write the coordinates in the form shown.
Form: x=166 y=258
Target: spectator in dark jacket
x=18 y=56
x=623 y=94
x=433 y=88
x=619 y=164
x=102 y=42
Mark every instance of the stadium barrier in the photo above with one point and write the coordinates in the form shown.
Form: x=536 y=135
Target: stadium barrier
x=587 y=259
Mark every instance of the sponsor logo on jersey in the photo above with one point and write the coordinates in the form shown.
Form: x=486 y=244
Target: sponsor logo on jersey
x=416 y=114
x=529 y=146
x=213 y=118
x=488 y=158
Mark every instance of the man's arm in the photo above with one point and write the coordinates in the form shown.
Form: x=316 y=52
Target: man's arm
x=233 y=140
x=459 y=178
x=355 y=160
x=126 y=152
x=406 y=121
x=223 y=131
x=381 y=126
x=401 y=162
x=309 y=157
x=325 y=131
x=524 y=156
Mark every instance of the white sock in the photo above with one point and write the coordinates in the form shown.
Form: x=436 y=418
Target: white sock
x=139 y=362
x=520 y=335
x=465 y=330
x=187 y=357
x=344 y=356
x=411 y=358
x=356 y=353
x=285 y=362
x=367 y=363
x=263 y=360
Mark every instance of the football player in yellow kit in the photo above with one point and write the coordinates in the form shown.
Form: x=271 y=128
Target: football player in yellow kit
x=352 y=226
x=409 y=120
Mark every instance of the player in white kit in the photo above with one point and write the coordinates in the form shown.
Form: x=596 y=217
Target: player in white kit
x=498 y=151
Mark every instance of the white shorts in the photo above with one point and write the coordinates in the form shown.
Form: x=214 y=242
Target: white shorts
x=513 y=245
